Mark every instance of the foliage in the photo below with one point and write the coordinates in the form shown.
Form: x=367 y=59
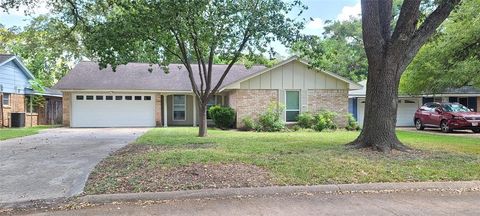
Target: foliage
x=325 y=120
x=451 y=59
x=271 y=120
x=190 y=32
x=306 y=120
x=296 y=128
x=46 y=46
x=352 y=124
x=248 y=124
x=340 y=49
x=223 y=117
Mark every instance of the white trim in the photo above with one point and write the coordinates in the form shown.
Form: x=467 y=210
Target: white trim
x=194 y=110
x=299 y=103
x=184 y=104
x=165 y=117
x=136 y=91
x=352 y=85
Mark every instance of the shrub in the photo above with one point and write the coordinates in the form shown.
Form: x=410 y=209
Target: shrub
x=306 y=120
x=223 y=117
x=296 y=128
x=325 y=120
x=352 y=124
x=248 y=124
x=271 y=120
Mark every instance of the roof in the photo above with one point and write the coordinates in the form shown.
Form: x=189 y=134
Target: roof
x=87 y=75
x=5 y=58
x=466 y=90
x=352 y=84
x=46 y=92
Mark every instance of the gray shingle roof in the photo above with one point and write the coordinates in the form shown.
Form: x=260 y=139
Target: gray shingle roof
x=136 y=76
x=5 y=57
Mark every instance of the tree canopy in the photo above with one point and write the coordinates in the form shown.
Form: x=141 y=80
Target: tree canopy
x=451 y=58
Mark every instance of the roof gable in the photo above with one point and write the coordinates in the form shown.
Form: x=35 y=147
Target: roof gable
x=295 y=59
x=6 y=58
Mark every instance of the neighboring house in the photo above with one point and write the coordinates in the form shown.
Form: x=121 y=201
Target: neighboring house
x=16 y=93
x=134 y=97
x=408 y=104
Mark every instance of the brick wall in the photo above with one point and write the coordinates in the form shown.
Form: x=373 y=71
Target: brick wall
x=67 y=102
x=331 y=100
x=251 y=102
x=478 y=104
x=17 y=104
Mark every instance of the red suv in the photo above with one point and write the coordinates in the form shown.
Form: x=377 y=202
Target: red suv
x=447 y=117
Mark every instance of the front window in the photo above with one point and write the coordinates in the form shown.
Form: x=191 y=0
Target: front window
x=454 y=108
x=179 y=107
x=293 y=105
x=6 y=99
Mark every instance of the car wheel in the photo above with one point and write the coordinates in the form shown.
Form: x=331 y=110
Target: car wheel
x=444 y=126
x=419 y=124
x=476 y=130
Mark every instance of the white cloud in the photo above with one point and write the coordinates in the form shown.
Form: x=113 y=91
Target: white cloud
x=349 y=12
x=314 y=26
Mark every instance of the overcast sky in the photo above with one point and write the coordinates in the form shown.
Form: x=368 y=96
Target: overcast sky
x=318 y=10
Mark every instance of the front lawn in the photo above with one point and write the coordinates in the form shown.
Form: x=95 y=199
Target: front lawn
x=9 y=133
x=166 y=159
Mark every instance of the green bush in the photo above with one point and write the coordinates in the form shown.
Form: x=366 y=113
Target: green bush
x=325 y=120
x=223 y=117
x=352 y=124
x=271 y=120
x=306 y=120
x=248 y=124
x=296 y=128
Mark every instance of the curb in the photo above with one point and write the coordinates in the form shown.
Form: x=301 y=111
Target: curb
x=463 y=186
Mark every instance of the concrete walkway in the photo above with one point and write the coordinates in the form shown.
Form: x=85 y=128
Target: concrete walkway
x=56 y=162
x=410 y=203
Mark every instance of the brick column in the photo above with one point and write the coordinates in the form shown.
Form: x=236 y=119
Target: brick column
x=67 y=107
x=158 y=110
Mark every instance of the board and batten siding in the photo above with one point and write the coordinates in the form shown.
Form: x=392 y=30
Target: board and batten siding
x=13 y=79
x=294 y=76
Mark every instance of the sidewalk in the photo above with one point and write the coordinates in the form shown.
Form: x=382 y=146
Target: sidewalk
x=452 y=196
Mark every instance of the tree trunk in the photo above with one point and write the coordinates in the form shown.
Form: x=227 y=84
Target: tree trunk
x=202 y=126
x=381 y=106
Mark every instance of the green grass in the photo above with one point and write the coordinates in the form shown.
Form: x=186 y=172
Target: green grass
x=303 y=158
x=9 y=133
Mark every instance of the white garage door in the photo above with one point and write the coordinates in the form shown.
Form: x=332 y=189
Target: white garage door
x=405 y=112
x=113 y=110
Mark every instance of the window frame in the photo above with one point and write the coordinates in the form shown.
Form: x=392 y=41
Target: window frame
x=293 y=110
x=9 y=98
x=80 y=97
x=184 y=108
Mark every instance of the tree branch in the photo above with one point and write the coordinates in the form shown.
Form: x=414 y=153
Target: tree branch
x=407 y=20
x=372 y=34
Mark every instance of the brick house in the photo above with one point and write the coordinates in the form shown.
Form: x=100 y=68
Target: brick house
x=16 y=94
x=134 y=96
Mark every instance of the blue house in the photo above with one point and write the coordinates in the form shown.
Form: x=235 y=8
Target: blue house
x=16 y=95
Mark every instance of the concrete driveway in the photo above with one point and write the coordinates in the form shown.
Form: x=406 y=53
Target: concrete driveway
x=56 y=162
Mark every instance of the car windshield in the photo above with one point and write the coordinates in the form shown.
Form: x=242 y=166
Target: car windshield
x=455 y=108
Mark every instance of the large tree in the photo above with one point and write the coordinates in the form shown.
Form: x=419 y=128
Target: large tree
x=191 y=32
x=390 y=44
x=452 y=58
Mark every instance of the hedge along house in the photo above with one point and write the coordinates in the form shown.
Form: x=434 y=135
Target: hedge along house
x=16 y=95
x=133 y=96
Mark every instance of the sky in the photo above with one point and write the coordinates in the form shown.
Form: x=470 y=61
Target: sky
x=318 y=12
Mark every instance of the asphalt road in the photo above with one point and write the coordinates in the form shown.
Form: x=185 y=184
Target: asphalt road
x=419 y=203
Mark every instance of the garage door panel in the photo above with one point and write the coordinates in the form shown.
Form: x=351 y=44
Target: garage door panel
x=113 y=113
x=405 y=112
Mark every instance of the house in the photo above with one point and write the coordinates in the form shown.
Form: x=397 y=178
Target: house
x=16 y=94
x=134 y=96
x=408 y=104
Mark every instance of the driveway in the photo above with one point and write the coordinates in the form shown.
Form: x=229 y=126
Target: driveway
x=56 y=162
x=464 y=133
